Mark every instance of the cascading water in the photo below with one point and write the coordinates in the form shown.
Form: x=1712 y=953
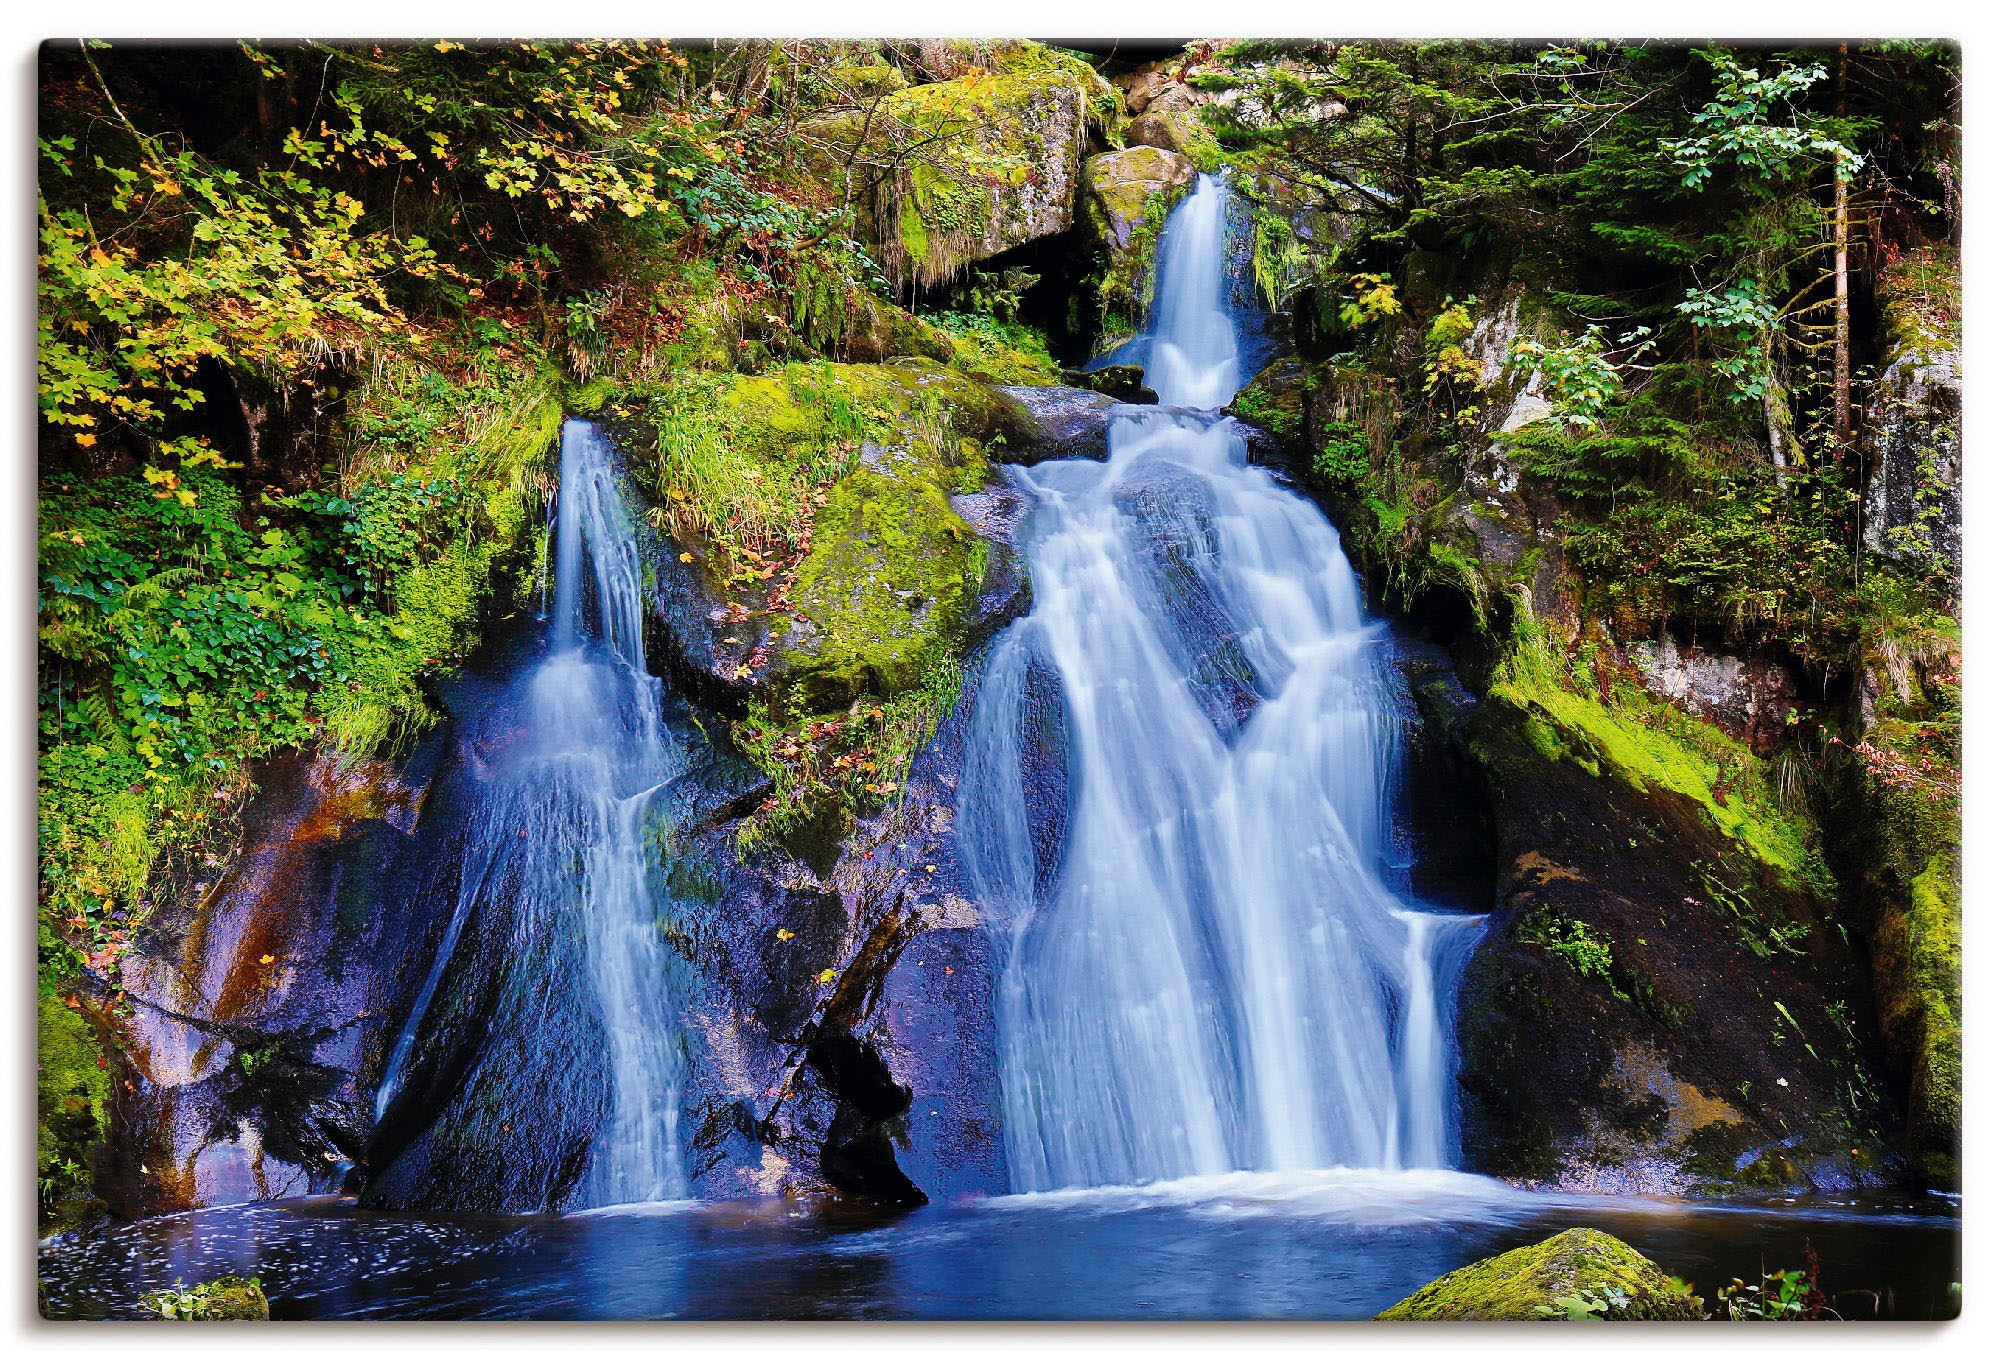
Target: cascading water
x=1211 y=972
x=552 y=969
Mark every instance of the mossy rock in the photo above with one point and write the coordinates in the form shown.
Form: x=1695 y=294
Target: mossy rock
x=984 y=162
x=770 y=418
x=1180 y=131
x=1919 y=988
x=878 y=330
x=1130 y=194
x=72 y=1099
x=885 y=589
x=1275 y=400
x=1535 y=1282
x=225 y=1299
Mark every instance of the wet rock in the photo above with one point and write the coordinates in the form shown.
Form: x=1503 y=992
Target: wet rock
x=1748 y=698
x=253 y=996
x=1069 y=423
x=858 y=1158
x=1657 y=1004
x=1124 y=382
x=1130 y=193
x=1913 y=509
x=1581 y=1269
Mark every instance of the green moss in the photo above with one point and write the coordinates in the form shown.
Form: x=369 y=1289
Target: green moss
x=1131 y=194
x=737 y=461
x=492 y=437
x=1539 y=1282
x=1920 y=991
x=1000 y=352
x=1921 y=301
x=225 y=1299
x=883 y=591
x=1652 y=747
x=72 y=1104
x=1583 y=947
x=965 y=151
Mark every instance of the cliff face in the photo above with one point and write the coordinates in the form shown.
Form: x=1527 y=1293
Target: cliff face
x=1721 y=795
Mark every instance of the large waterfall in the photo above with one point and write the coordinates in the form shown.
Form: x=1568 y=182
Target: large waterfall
x=546 y=1023
x=1208 y=970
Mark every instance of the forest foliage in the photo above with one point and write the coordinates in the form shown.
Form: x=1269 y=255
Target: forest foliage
x=310 y=315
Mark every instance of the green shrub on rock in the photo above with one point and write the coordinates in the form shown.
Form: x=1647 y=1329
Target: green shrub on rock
x=225 y=1299
x=1580 y=1274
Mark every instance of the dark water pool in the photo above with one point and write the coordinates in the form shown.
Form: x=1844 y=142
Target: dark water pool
x=1330 y=1245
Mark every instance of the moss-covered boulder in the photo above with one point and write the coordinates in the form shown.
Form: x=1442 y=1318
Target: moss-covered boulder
x=1179 y=131
x=225 y=1299
x=759 y=478
x=884 y=591
x=1580 y=1271
x=878 y=330
x=1130 y=193
x=960 y=170
x=1667 y=1000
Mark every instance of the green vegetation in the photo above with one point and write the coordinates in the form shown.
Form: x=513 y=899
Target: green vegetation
x=72 y=1097
x=1654 y=747
x=1579 y=1274
x=1005 y=353
x=1586 y=950
x=224 y=1299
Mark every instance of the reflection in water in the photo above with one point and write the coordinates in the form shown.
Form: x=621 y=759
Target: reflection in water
x=1322 y=1245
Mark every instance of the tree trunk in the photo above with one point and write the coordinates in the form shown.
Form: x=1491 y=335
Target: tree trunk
x=1777 y=412
x=1843 y=379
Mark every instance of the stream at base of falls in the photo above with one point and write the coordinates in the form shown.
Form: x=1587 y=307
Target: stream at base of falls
x=1314 y=1246
x=1222 y=1017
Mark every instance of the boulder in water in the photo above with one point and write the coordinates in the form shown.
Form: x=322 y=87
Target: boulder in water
x=1121 y=381
x=226 y=1299
x=1130 y=194
x=1578 y=1271
x=1069 y=423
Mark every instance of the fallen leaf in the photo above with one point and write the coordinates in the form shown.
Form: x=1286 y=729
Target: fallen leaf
x=827 y=975
x=268 y=959
x=786 y=934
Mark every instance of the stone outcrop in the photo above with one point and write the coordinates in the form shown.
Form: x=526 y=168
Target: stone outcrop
x=960 y=170
x=1577 y=1274
x=1916 y=460
x=1130 y=193
x=1069 y=422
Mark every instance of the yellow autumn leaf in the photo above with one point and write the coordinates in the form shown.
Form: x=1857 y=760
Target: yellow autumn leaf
x=186 y=497
x=786 y=934
x=687 y=556
x=86 y=440
x=268 y=958
x=827 y=975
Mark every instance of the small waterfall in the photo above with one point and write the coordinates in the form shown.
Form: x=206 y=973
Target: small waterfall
x=1216 y=973
x=552 y=965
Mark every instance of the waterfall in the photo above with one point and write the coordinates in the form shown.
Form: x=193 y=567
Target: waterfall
x=1208 y=970
x=552 y=964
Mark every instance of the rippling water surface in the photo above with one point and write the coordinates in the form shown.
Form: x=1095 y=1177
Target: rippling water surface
x=1331 y=1245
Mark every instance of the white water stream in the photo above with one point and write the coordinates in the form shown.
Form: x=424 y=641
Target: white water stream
x=1217 y=976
